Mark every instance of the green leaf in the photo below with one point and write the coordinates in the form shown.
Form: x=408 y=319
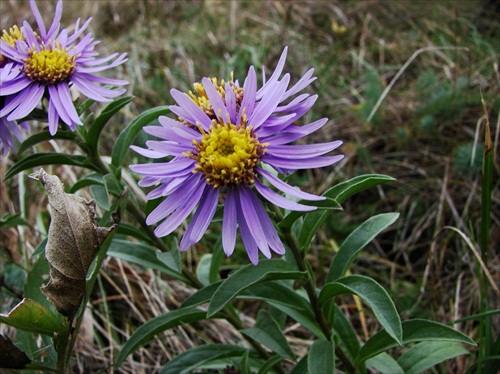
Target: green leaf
x=268 y=333
x=101 y=197
x=157 y=325
x=128 y=229
x=384 y=363
x=29 y=315
x=244 y=366
x=413 y=331
x=284 y=298
x=345 y=334
x=321 y=357
x=203 y=269
x=340 y=193
x=39 y=159
x=91 y=179
x=94 y=132
x=301 y=367
x=45 y=136
x=267 y=366
x=312 y=222
x=427 y=354
x=141 y=254
x=356 y=241
x=373 y=293
x=201 y=296
x=248 y=275
x=14 y=220
x=127 y=136
x=171 y=259
x=197 y=357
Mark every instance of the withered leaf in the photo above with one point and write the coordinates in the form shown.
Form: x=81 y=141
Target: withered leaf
x=74 y=238
x=11 y=357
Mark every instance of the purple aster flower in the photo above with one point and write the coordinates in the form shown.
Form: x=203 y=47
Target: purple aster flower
x=9 y=130
x=228 y=143
x=50 y=62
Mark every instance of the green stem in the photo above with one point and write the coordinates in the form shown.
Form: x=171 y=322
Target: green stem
x=291 y=240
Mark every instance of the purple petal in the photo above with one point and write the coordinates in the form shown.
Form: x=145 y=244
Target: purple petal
x=296 y=133
x=163 y=168
x=305 y=81
x=230 y=102
x=268 y=227
x=252 y=220
x=201 y=218
x=246 y=236
x=249 y=88
x=268 y=104
x=53 y=118
x=66 y=101
x=33 y=97
x=229 y=223
x=54 y=98
x=279 y=200
x=300 y=151
x=286 y=188
x=215 y=99
x=14 y=86
x=181 y=213
x=188 y=110
x=293 y=164
x=275 y=76
x=147 y=152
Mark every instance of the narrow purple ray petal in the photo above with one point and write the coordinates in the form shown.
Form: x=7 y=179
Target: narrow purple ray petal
x=32 y=99
x=305 y=81
x=14 y=103
x=38 y=18
x=9 y=87
x=229 y=223
x=230 y=102
x=268 y=227
x=66 y=101
x=163 y=168
x=252 y=221
x=300 y=151
x=54 y=27
x=215 y=99
x=104 y=80
x=181 y=213
x=168 y=148
x=275 y=76
x=314 y=162
x=54 y=97
x=250 y=90
x=188 y=110
x=201 y=218
x=174 y=201
x=147 y=152
x=279 y=200
x=286 y=188
x=268 y=103
x=53 y=118
x=296 y=133
x=248 y=239
x=87 y=88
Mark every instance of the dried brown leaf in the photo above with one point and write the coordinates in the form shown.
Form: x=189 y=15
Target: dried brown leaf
x=74 y=239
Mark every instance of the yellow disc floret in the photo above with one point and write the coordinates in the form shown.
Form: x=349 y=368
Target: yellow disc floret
x=200 y=98
x=49 y=66
x=12 y=35
x=227 y=154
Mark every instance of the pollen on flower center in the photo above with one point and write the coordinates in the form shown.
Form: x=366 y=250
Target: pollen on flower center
x=49 y=66
x=228 y=154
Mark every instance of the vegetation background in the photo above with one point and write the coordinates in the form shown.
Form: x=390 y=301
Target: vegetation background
x=401 y=82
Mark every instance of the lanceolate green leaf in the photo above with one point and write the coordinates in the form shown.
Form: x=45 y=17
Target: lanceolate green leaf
x=127 y=136
x=340 y=193
x=29 y=315
x=427 y=354
x=201 y=296
x=413 y=331
x=286 y=299
x=344 y=332
x=52 y=158
x=384 y=363
x=321 y=357
x=90 y=179
x=374 y=294
x=249 y=275
x=356 y=241
x=140 y=254
x=109 y=111
x=45 y=136
x=312 y=222
x=157 y=325
x=268 y=333
x=198 y=357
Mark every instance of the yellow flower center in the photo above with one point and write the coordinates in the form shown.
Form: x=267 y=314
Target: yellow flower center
x=49 y=66
x=200 y=98
x=227 y=154
x=12 y=35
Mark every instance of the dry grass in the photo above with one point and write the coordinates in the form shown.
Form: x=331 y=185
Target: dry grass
x=401 y=83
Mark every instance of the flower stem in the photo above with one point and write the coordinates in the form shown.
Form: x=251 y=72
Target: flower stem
x=294 y=246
